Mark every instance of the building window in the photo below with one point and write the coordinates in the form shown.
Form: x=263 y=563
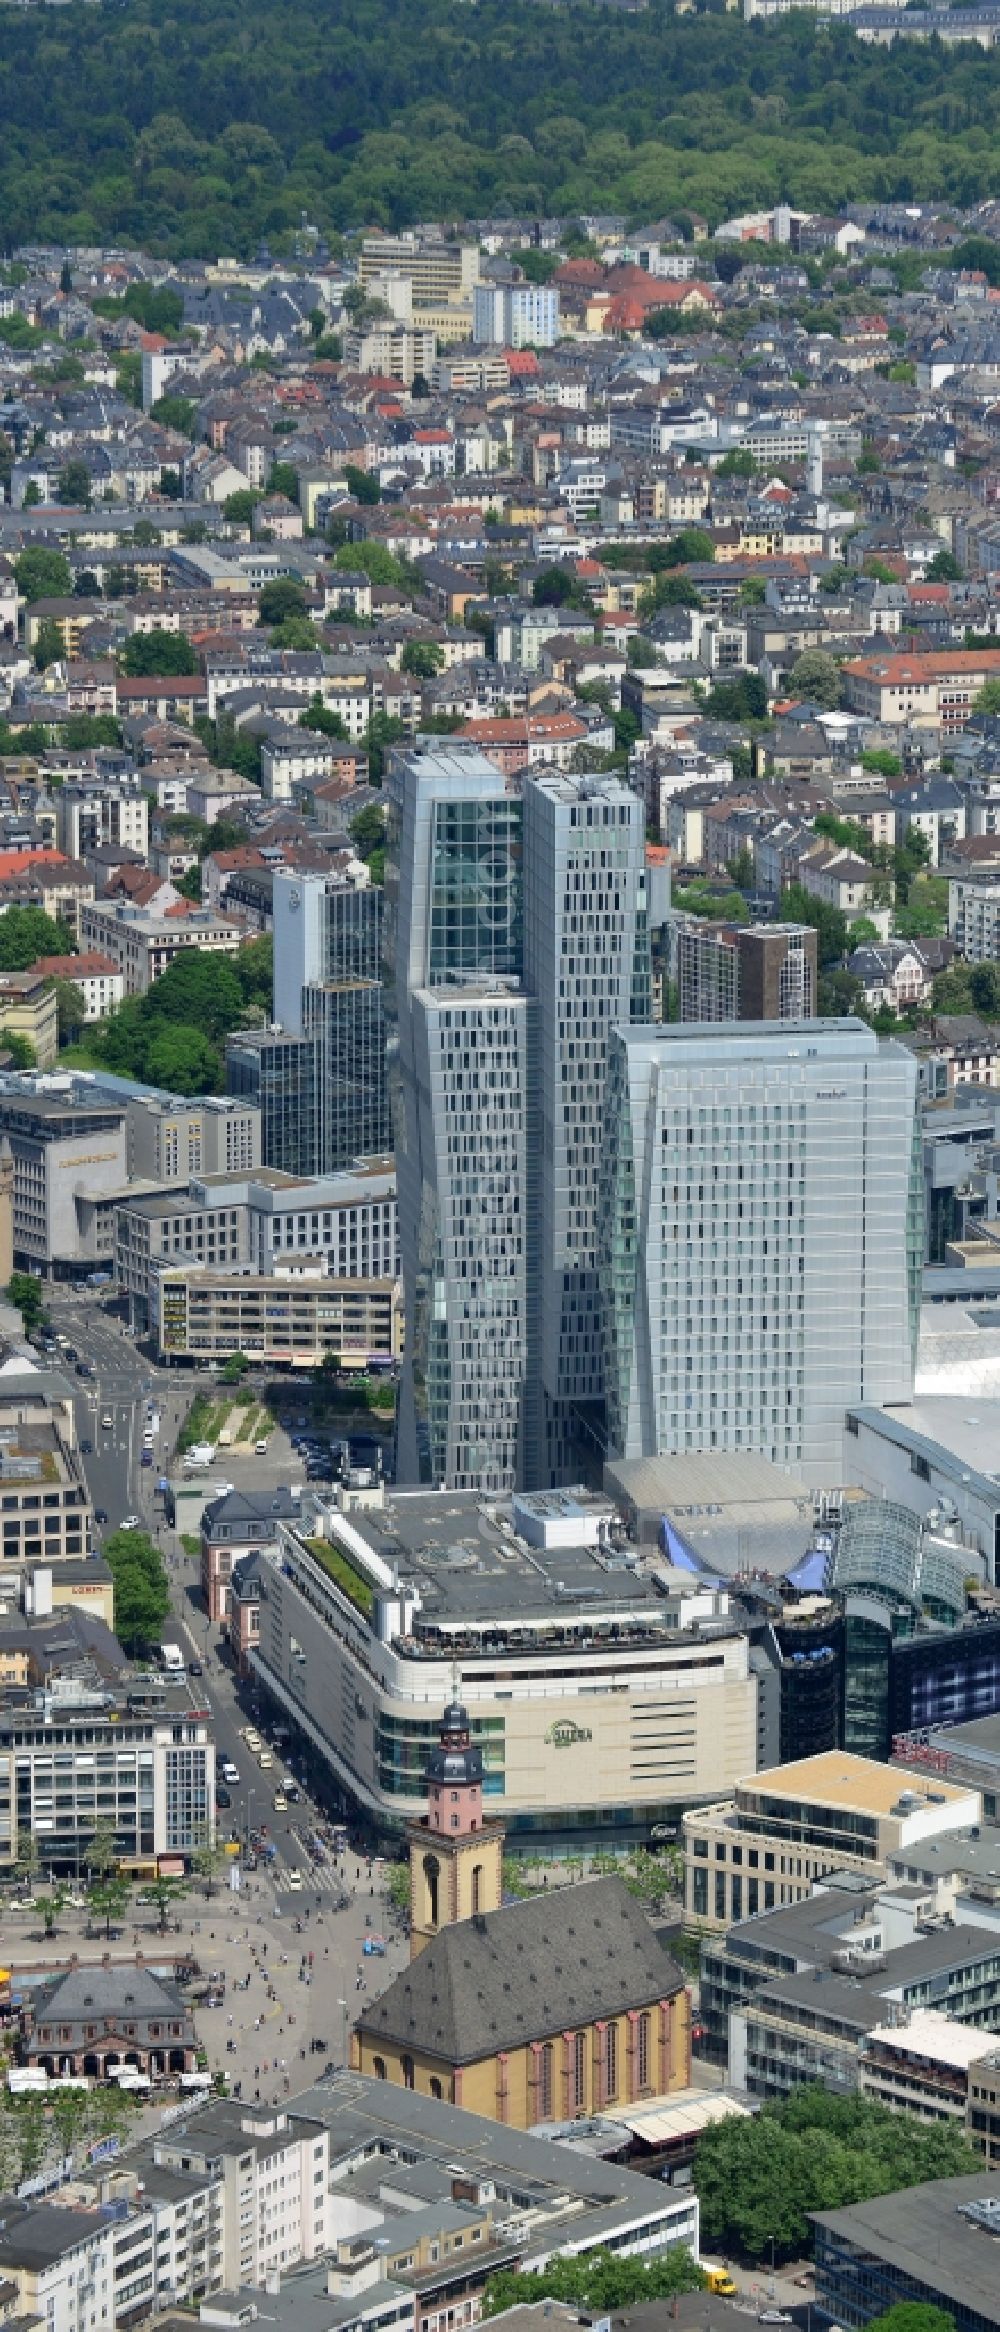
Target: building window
x=378 y=2068
x=432 y=1872
x=579 y=2072
x=436 y=2090
x=407 y=2071
x=611 y=2063
x=477 y=1887
x=642 y=2050
x=545 y=2083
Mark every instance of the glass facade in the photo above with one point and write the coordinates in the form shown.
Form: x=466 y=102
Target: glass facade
x=476 y=910
x=754 y=1245
x=322 y=1091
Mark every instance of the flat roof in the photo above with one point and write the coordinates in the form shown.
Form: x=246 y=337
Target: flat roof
x=836 y=1778
x=939 y=2038
x=469 y=1563
x=922 y=2230
x=953 y=1435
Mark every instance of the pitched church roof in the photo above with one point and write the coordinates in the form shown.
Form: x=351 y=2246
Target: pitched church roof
x=524 y=1973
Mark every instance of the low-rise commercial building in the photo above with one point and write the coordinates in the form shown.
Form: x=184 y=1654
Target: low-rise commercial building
x=69 y=1156
x=233 y=1527
x=84 y=2020
x=933 y=2244
x=345 y=1223
x=133 y=1752
x=783 y=1830
x=294 y=1318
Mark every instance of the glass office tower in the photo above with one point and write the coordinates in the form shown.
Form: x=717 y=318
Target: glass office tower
x=762 y=1228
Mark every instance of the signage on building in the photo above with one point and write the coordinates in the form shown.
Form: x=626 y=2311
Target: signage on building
x=564 y=1734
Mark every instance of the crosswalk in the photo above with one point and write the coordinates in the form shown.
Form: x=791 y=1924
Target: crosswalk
x=314 y=1882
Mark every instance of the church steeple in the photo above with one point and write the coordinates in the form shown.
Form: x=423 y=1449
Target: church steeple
x=456 y=1858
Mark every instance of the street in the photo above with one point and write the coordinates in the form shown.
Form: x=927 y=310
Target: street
x=259 y=1939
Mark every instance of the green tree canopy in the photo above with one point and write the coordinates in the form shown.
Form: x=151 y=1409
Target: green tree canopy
x=42 y=574
x=158 y=654
x=142 y=1597
x=599 y=2283
x=363 y=487
x=422 y=659
x=174 y=412
x=814 y=675
x=26 y=933
x=282 y=598
x=758 y=2179
x=25 y=1291
x=183 y=1060
x=239 y=507
x=799 y=906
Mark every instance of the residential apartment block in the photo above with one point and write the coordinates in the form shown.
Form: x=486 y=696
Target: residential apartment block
x=143 y=945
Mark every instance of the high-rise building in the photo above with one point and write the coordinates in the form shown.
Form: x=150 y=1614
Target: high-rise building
x=318 y=1077
x=462 y=1052
x=515 y=315
x=586 y=964
x=721 y=971
x=518 y=941
x=761 y=1224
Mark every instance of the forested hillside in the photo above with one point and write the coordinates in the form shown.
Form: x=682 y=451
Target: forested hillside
x=192 y=128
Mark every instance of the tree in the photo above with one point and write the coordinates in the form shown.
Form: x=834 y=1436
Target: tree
x=75 y=484
x=383 y=730
x=51 y=1904
x=208 y=1859
x=66 y=277
x=422 y=659
x=814 y=675
x=799 y=906
x=254 y=968
x=284 y=479
x=282 y=598
x=363 y=487
x=600 y=2282
x=25 y=934
x=32 y=496
x=102 y=1853
x=25 y=1292
x=158 y=653
x=107 y=1898
x=86 y=585
x=142 y=1597
x=49 y=645
x=42 y=574
x=367 y=830
x=944 y=568
x=165 y=1893
x=398 y=1888
x=988 y=699
x=318 y=716
x=757 y=2180
x=173 y=412
x=28 y=1860
x=371 y=559
x=984 y=987
x=171 y=485
x=182 y=1060
x=744 y=698
x=19 y=1049
x=71 y=1009
x=554 y=587
x=913 y=2316
x=239 y=507
x=234 y=1369
x=295 y=632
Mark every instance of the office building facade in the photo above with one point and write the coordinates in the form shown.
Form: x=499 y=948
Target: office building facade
x=727 y=972
x=517 y=940
x=318 y=1077
x=586 y=961
x=461 y=1102
x=762 y=1237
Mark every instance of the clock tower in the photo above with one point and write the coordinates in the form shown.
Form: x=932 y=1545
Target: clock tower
x=456 y=1858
